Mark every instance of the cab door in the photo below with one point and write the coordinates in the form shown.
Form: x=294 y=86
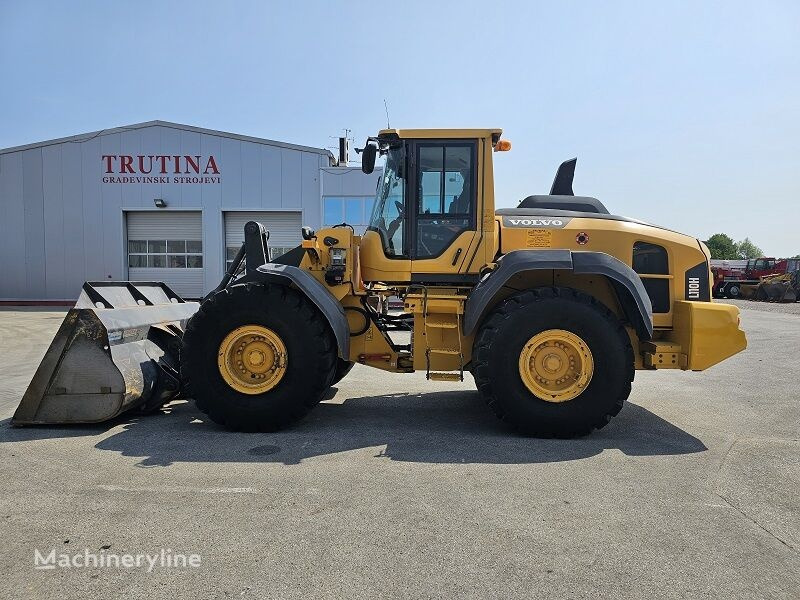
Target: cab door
x=442 y=228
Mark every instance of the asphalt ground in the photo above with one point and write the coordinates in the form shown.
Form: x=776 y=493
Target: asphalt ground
x=397 y=487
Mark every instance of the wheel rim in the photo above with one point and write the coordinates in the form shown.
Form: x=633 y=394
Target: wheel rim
x=556 y=365
x=252 y=359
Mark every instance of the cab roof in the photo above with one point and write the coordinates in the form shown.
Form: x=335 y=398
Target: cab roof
x=441 y=133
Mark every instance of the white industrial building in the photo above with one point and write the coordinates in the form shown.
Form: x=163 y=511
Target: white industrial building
x=159 y=201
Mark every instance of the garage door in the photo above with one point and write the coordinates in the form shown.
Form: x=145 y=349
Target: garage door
x=284 y=231
x=167 y=246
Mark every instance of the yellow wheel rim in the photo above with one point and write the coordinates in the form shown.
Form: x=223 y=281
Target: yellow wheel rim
x=252 y=359
x=556 y=365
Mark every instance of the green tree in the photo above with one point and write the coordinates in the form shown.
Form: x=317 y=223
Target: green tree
x=747 y=249
x=722 y=246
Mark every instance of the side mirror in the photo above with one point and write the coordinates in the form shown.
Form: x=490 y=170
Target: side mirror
x=368 y=158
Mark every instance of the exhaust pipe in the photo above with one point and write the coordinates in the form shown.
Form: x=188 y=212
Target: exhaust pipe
x=116 y=351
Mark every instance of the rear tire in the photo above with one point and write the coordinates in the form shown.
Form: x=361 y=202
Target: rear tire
x=310 y=351
x=503 y=338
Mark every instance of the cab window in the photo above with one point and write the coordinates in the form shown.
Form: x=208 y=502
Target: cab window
x=445 y=202
x=762 y=264
x=388 y=213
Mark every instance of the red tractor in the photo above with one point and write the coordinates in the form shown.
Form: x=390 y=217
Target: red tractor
x=728 y=281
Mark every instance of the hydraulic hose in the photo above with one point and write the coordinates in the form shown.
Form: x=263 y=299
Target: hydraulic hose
x=230 y=273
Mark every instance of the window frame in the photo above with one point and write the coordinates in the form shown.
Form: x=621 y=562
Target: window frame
x=365 y=214
x=414 y=200
x=166 y=254
x=405 y=147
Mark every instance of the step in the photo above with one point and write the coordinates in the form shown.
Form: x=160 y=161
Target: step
x=453 y=351
x=436 y=376
x=441 y=323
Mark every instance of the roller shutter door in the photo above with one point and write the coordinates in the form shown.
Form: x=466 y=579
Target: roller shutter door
x=167 y=246
x=284 y=230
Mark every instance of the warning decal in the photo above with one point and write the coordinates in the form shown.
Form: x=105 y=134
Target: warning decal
x=539 y=238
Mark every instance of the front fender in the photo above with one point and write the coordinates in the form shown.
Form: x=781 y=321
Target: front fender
x=314 y=291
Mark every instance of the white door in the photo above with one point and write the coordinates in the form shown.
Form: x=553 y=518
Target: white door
x=283 y=227
x=167 y=246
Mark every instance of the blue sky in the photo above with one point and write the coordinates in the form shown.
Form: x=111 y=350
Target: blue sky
x=685 y=114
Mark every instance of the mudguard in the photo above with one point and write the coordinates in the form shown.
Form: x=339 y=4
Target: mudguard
x=258 y=268
x=314 y=291
x=630 y=290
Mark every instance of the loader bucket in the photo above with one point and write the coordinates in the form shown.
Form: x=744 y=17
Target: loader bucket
x=748 y=291
x=779 y=291
x=116 y=351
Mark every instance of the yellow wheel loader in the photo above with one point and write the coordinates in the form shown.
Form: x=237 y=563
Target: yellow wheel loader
x=552 y=306
x=781 y=287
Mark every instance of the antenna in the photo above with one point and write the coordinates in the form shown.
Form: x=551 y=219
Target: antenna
x=343 y=148
x=386 y=106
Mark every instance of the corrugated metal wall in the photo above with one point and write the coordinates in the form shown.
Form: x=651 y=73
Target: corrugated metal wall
x=61 y=225
x=284 y=227
x=167 y=225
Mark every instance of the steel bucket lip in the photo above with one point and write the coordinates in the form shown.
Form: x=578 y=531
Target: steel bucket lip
x=81 y=327
x=95 y=321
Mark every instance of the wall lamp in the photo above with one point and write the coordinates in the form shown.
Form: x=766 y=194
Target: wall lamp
x=160 y=202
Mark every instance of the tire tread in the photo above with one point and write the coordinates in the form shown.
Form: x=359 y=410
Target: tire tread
x=488 y=336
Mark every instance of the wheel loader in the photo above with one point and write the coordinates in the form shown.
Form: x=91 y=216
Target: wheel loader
x=551 y=306
x=779 y=287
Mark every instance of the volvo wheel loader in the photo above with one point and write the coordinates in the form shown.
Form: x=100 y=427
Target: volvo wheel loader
x=551 y=306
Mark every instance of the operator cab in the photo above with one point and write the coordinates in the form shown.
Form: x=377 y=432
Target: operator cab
x=425 y=216
x=762 y=264
x=426 y=197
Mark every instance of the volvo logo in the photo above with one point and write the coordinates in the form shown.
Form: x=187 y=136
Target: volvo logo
x=535 y=222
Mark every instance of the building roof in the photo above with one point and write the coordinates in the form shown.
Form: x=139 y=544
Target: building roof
x=84 y=137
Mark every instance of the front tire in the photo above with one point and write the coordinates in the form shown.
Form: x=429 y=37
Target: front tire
x=587 y=348
x=343 y=367
x=281 y=327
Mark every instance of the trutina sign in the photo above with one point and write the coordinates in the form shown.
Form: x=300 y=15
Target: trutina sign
x=159 y=168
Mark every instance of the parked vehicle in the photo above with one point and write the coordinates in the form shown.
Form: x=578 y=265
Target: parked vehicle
x=728 y=281
x=552 y=306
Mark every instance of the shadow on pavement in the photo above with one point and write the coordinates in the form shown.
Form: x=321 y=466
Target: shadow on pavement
x=438 y=427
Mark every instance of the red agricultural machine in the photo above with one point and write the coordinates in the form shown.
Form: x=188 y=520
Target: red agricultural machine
x=735 y=282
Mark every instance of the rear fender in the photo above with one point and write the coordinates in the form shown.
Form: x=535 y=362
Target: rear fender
x=628 y=286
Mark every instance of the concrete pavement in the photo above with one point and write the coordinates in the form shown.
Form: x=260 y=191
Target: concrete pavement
x=398 y=487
